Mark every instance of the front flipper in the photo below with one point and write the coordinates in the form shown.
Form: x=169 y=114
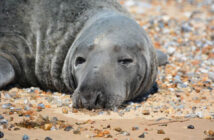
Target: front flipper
x=162 y=58
x=7 y=73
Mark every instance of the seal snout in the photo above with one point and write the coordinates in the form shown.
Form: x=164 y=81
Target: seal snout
x=84 y=98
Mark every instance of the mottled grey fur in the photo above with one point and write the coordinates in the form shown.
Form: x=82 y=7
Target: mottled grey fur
x=36 y=38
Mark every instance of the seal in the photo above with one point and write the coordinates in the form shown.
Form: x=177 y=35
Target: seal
x=92 y=49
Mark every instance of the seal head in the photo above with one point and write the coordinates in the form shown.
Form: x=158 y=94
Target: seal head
x=111 y=61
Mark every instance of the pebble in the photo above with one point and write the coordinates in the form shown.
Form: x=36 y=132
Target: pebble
x=190 y=127
x=3 y=122
x=160 y=131
x=125 y=133
x=68 y=128
x=47 y=126
x=199 y=114
x=186 y=27
x=6 y=106
x=142 y=135
x=64 y=110
x=211 y=75
x=74 y=110
x=209 y=133
x=118 y=129
x=1 y=117
x=76 y=132
x=1 y=134
x=41 y=106
x=145 y=112
x=48 y=138
x=25 y=137
x=166 y=139
x=135 y=128
x=16 y=129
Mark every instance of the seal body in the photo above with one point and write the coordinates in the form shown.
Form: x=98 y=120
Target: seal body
x=42 y=41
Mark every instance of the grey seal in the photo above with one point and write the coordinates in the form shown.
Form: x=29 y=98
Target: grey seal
x=92 y=49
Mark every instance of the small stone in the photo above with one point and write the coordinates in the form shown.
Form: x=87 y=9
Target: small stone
x=48 y=138
x=171 y=50
x=16 y=129
x=25 y=137
x=135 y=128
x=106 y=132
x=125 y=133
x=3 y=122
x=64 y=110
x=190 y=127
x=1 y=117
x=210 y=133
x=47 y=126
x=142 y=136
x=199 y=114
x=41 y=106
x=100 y=113
x=160 y=131
x=6 y=106
x=186 y=27
x=145 y=112
x=108 y=136
x=118 y=129
x=68 y=128
x=74 y=110
x=166 y=139
x=76 y=132
x=1 y=134
x=211 y=76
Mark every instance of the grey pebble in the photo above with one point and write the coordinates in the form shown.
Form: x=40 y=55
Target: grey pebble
x=1 y=117
x=68 y=128
x=191 y=116
x=25 y=137
x=199 y=114
x=3 y=122
x=1 y=134
x=48 y=138
x=185 y=27
x=125 y=133
x=6 y=106
x=211 y=76
x=190 y=127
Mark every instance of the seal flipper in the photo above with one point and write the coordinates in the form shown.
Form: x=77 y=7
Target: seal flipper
x=162 y=58
x=7 y=73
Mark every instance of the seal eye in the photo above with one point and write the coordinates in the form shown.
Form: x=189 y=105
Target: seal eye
x=125 y=61
x=79 y=61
